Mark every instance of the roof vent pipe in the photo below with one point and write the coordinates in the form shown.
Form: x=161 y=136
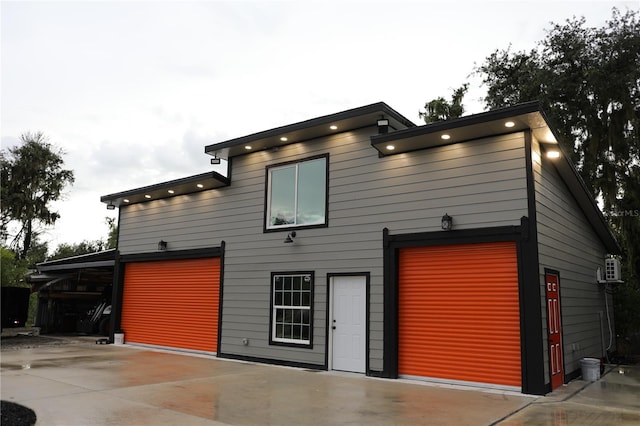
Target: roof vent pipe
x=383 y=126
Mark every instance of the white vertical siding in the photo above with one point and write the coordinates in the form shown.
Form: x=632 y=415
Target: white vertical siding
x=480 y=184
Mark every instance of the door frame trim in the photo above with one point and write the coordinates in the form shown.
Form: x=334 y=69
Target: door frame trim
x=119 y=275
x=529 y=290
x=328 y=354
x=556 y=273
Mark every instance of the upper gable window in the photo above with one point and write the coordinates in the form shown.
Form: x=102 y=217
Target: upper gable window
x=297 y=194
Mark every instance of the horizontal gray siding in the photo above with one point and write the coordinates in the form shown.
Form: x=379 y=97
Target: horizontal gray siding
x=480 y=184
x=568 y=244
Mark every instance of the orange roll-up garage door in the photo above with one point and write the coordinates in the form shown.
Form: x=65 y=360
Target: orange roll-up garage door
x=172 y=303
x=459 y=316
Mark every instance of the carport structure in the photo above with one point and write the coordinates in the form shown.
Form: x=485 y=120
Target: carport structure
x=68 y=288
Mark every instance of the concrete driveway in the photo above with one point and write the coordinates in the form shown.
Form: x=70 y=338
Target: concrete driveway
x=87 y=384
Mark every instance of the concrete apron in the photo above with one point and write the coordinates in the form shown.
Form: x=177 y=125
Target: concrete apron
x=88 y=384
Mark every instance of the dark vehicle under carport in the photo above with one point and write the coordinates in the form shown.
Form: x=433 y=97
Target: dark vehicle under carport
x=74 y=293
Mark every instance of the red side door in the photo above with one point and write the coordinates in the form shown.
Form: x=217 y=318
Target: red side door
x=556 y=362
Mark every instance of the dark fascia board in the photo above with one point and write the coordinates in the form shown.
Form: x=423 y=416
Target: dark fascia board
x=73 y=266
x=348 y=120
x=104 y=258
x=182 y=186
x=587 y=203
x=524 y=116
x=527 y=116
x=89 y=257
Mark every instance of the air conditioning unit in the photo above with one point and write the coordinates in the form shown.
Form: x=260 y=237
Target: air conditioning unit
x=611 y=269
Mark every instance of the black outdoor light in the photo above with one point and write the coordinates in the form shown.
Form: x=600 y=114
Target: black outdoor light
x=447 y=222
x=383 y=126
x=290 y=237
x=111 y=206
x=162 y=245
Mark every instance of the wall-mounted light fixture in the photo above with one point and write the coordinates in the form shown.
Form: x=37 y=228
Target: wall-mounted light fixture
x=290 y=237
x=215 y=159
x=447 y=222
x=111 y=206
x=162 y=245
x=383 y=126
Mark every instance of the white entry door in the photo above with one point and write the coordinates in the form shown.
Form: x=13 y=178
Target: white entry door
x=349 y=323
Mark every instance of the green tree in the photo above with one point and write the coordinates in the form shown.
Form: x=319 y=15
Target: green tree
x=588 y=81
x=112 y=238
x=85 y=247
x=440 y=109
x=65 y=250
x=12 y=273
x=32 y=178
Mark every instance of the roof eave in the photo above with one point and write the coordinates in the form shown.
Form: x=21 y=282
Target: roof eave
x=365 y=116
x=526 y=116
x=173 y=188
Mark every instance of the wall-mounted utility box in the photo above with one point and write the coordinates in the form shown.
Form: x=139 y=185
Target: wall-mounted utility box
x=611 y=269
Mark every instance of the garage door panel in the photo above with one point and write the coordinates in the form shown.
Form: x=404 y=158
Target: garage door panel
x=172 y=303
x=459 y=315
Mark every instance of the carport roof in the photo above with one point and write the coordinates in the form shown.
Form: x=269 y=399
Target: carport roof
x=99 y=259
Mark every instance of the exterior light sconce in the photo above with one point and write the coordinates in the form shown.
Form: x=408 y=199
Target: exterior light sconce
x=111 y=206
x=447 y=222
x=162 y=245
x=290 y=237
x=383 y=126
x=553 y=154
x=215 y=160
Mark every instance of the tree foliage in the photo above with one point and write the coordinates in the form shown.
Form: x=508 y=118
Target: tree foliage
x=588 y=82
x=65 y=250
x=112 y=237
x=12 y=273
x=32 y=178
x=440 y=109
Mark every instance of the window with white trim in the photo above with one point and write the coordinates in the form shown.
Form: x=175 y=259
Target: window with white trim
x=292 y=298
x=297 y=194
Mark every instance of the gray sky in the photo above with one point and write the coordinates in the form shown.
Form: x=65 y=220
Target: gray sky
x=133 y=91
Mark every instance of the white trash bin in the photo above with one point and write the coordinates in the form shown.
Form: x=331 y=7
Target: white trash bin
x=118 y=338
x=590 y=369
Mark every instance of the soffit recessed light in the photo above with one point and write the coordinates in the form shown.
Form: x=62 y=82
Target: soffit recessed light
x=147 y=196
x=247 y=147
x=445 y=137
x=509 y=124
x=390 y=147
x=553 y=154
x=333 y=127
x=126 y=200
x=284 y=139
x=171 y=191
x=199 y=185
